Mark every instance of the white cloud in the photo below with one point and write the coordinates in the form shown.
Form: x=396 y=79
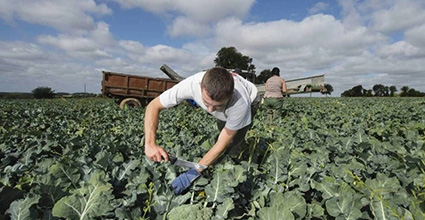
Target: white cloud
x=133 y=47
x=117 y=64
x=140 y=59
x=25 y=66
x=400 y=49
x=15 y=58
x=344 y=50
x=202 y=10
x=186 y=26
x=153 y=6
x=185 y=13
x=319 y=7
x=401 y=16
x=66 y=16
x=95 y=44
x=385 y=16
x=368 y=70
x=351 y=17
x=163 y=53
x=20 y=51
x=314 y=38
x=156 y=54
x=416 y=36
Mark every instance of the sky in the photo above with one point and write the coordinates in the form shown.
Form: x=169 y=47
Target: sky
x=66 y=44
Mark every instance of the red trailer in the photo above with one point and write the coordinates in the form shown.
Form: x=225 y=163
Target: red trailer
x=134 y=90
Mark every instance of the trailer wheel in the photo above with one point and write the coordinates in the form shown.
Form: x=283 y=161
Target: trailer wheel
x=130 y=102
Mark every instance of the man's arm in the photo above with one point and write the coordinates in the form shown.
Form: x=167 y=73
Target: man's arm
x=224 y=139
x=152 y=150
x=283 y=86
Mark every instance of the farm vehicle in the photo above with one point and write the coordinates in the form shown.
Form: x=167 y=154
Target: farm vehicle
x=301 y=85
x=293 y=86
x=136 y=91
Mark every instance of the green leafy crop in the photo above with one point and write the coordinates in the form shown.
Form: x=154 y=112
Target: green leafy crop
x=322 y=158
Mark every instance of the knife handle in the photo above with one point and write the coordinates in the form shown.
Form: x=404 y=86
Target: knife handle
x=172 y=159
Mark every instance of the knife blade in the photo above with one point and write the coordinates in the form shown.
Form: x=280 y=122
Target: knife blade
x=178 y=162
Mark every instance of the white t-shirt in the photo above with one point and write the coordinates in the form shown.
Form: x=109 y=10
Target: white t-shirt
x=237 y=112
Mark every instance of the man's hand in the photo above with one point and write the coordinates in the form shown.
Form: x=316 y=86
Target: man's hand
x=182 y=182
x=155 y=153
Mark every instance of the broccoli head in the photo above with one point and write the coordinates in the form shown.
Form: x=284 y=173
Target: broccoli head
x=190 y=212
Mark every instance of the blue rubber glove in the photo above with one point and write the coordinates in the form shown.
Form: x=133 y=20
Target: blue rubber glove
x=182 y=182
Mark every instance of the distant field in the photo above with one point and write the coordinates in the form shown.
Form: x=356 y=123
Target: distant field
x=321 y=158
x=15 y=95
x=23 y=95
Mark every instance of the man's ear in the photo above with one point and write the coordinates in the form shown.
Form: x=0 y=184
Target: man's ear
x=203 y=87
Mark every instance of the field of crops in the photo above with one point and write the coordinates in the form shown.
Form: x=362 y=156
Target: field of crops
x=322 y=158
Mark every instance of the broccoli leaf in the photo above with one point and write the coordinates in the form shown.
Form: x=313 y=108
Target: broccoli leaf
x=20 y=209
x=224 y=208
x=216 y=189
x=87 y=202
x=277 y=209
x=345 y=204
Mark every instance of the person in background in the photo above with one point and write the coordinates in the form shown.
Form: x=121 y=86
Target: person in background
x=226 y=96
x=273 y=98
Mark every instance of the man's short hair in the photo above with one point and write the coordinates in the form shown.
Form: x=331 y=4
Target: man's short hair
x=218 y=83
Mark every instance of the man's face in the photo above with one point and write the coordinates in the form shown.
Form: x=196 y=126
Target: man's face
x=211 y=104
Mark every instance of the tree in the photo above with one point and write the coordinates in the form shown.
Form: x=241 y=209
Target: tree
x=329 y=89
x=386 y=91
x=379 y=90
x=264 y=76
x=43 y=93
x=356 y=91
x=393 y=89
x=404 y=91
x=346 y=93
x=415 y=93
x=367 y=93
x=230 y=58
